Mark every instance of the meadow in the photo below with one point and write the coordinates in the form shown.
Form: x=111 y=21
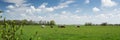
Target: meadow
x=35 y=32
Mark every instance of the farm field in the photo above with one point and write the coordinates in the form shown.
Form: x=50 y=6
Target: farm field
x=35 y=32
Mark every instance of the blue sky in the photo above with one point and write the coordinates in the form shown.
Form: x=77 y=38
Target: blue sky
x=63 y=11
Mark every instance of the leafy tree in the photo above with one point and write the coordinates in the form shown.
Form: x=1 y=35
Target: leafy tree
x=0 y=12
x=104 y=24
x=48 y=23
x=88 y=24
x=52 y=22
x=40 y=22
x=24 y=21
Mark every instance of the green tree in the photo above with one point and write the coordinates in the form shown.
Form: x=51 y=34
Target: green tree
x=0 y=11
x=88 y=24
x=0 y=15
x=24 y=22
x=104 y=24
x=31 y=22
x=40 y=22
x=52 y=22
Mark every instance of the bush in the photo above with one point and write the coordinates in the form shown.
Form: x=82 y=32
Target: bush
x=88 y=24
x=104 y=24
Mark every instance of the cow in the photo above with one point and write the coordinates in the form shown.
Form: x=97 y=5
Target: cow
x=78 y=26
x=43 y=26
x=51 y=26
x=61 y=26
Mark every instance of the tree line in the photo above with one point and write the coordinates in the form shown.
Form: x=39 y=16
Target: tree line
x=102 y=24
x=31 y=22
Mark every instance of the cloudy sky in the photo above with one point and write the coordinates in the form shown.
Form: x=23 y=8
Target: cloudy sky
x=63 y=11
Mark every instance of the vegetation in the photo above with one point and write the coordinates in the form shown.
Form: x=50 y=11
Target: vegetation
x=88 y=24
x=26 y=22
x=35 y=32
x=104 y=24
x=0 y=11
x=52 y=22
x=8 y=30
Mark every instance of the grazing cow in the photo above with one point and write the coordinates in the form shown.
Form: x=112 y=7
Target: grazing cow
x=43 y=26
x=78 y=26
x=51 y=26
x=61 y=26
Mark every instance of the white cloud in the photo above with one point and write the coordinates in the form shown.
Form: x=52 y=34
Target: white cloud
x=64 y=4
x=103 y=16
x=108 y=3
x=77 y=11
x=95 y=9
x=19 y=2
x=87 y=1
x=43 y=5
x=10 y=7
x=22 y=10
x=7 y=11
x=50 y=9
x=64 y=12
x=41 y=9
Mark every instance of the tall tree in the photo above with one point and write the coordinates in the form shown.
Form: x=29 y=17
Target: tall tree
x=104 y=24
x=24 y=22
x=0 y=11
x=52 y=22
x=88 y=24
x=0 y=15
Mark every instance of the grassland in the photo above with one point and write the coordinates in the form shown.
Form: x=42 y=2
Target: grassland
x=71 y=33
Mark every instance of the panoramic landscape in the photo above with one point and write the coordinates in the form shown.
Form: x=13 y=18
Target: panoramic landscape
x=59 y=19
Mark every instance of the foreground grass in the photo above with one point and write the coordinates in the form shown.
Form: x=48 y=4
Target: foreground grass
x=71 y=33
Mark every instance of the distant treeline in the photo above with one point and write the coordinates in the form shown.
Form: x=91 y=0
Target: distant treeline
x=51 y=22
x=26 y=22
x=102 y=24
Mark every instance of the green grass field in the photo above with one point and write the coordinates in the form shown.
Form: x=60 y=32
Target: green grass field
x=71 y=33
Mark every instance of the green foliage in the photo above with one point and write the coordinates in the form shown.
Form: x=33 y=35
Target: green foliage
x=0 y=11
x=52 y=22
x=0 y=15
x=104 y=24
x=11 y=30
x=88 y=24
x=8 y=30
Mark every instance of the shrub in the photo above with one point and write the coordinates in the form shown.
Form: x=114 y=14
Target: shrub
x=104 y=24
x=88 y=24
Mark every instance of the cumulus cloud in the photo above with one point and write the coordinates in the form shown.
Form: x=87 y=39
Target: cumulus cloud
x=10 y=7
x=19 y=2
x=108 y=3
x=77 y=11
x=22 y=10
x=63 y=5
x=87 y=1
x=95 y=9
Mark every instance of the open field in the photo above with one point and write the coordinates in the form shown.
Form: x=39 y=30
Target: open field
x=71 y=33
